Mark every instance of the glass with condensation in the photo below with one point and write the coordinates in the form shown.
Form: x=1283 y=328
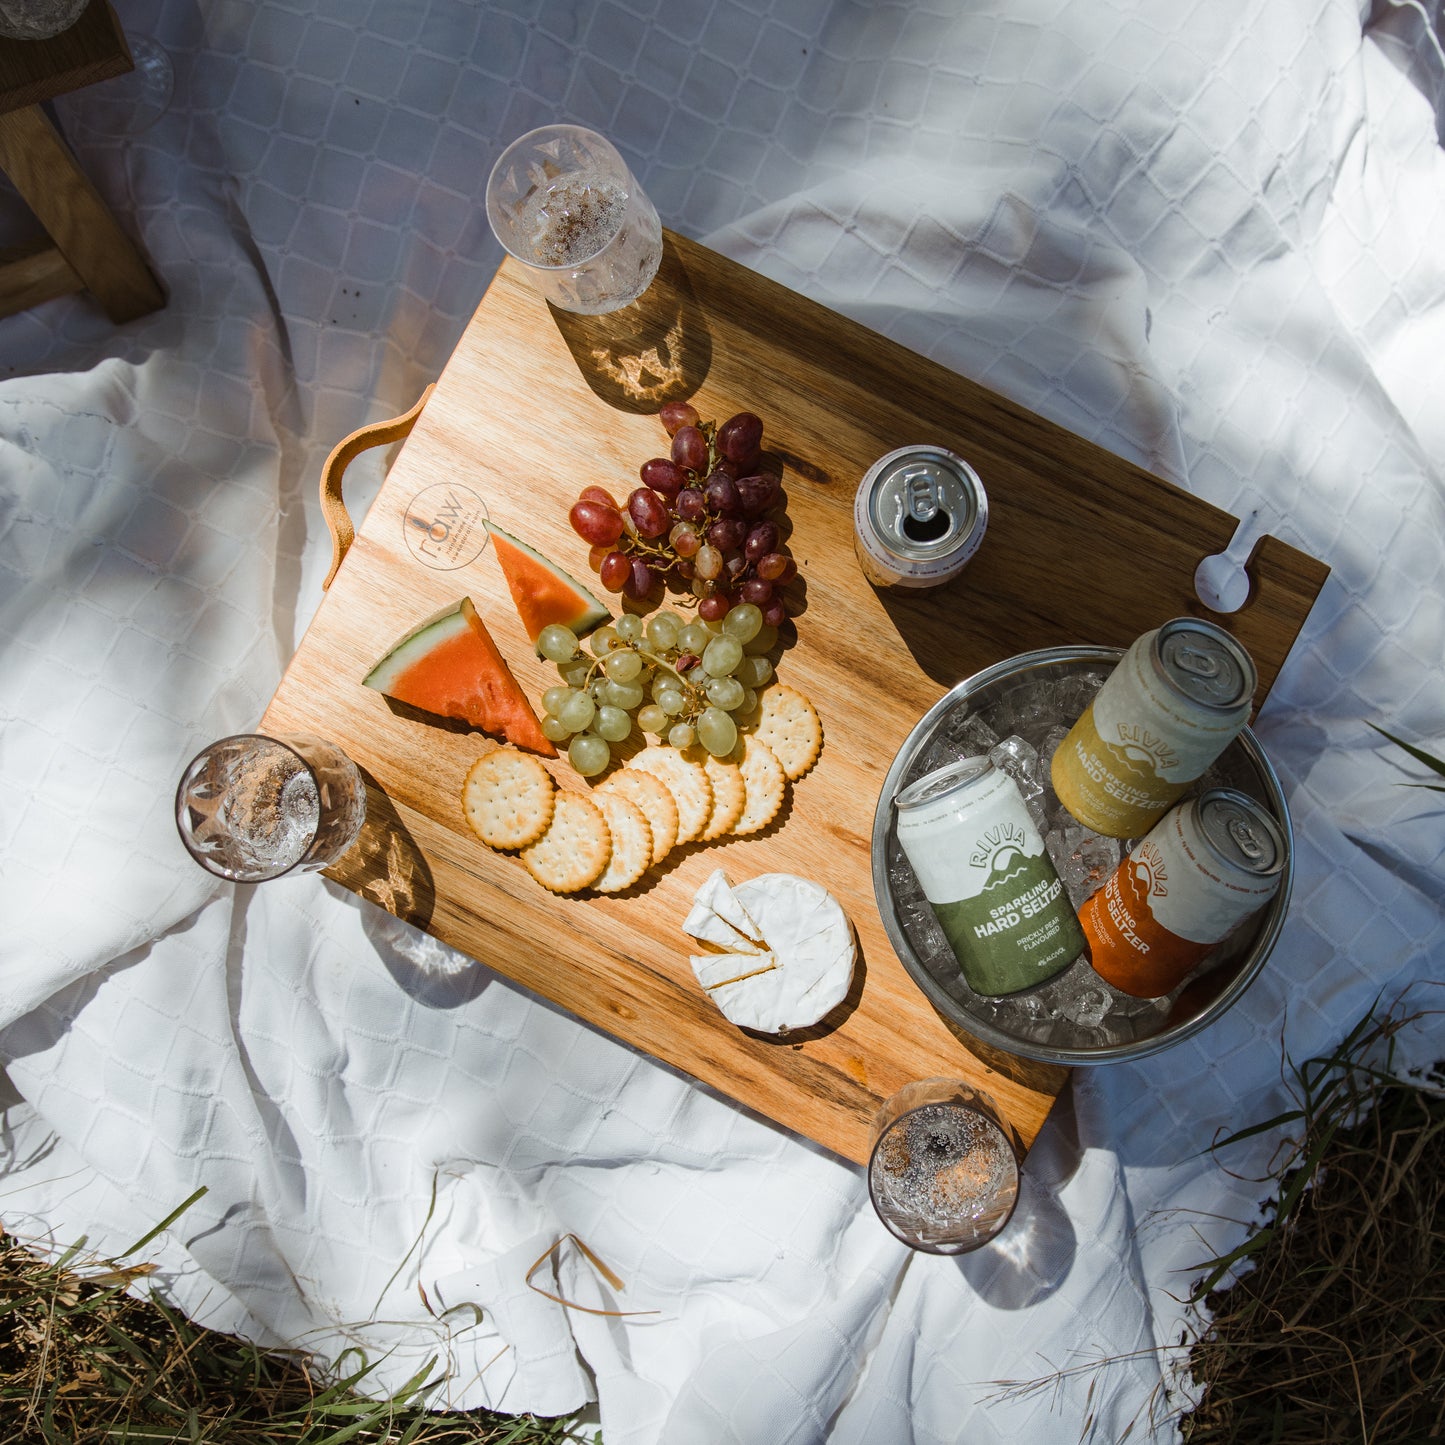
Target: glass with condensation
x=564 y=203
x=944 y=1171
x=251 y=807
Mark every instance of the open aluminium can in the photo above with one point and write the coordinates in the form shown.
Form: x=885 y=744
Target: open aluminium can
x=919 y=515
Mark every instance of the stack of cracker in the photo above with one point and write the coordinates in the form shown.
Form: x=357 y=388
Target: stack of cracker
x=662 y=797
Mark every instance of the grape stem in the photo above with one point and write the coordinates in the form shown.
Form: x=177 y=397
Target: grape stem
x=695 y=699
x=695 y=696
x=631 y=545
x=657 y=661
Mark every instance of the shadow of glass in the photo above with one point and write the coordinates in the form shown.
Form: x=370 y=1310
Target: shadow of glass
x=1033 y=1255
x=385 y=865
x=657 y=350
x=424 y=968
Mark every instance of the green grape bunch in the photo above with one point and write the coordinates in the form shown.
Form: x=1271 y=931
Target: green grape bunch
x=685 y=682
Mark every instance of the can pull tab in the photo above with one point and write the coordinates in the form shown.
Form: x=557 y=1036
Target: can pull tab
x=1245 y=839
x=1201 y=664
x=924 y=518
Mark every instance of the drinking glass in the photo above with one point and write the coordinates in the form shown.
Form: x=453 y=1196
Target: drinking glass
x=943 y=1174
x=563 y=202
x=130 y=103
x=252 y=807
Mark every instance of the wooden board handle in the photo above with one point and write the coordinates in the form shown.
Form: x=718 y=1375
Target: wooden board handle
x=333 y=507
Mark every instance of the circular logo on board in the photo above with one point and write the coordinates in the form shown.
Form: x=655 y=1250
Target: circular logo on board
x=445 y=526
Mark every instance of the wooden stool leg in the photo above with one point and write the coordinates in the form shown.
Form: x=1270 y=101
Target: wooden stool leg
x=40 y=165
x=32 y=274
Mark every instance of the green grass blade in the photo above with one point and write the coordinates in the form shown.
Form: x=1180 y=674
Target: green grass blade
x=166 y=1223
x=1436 y=765
x=1239 y=1134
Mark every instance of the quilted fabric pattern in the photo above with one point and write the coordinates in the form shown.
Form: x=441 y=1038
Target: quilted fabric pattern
x=1204 y=235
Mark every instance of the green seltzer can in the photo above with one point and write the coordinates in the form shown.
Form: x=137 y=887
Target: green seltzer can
x=983 y=866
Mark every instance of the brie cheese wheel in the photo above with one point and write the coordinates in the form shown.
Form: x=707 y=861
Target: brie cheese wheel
x=799 y=968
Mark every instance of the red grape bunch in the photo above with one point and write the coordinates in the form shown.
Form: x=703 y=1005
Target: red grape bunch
x=700 y=518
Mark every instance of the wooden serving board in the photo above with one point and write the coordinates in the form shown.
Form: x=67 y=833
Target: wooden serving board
x=1082 y=547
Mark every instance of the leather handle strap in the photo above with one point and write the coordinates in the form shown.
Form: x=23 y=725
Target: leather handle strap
x=333 y=508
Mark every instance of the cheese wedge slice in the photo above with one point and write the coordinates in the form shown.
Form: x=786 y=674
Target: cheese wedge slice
x=707 y=927
x=799 y=969
x=717 y=894
x=723 y=970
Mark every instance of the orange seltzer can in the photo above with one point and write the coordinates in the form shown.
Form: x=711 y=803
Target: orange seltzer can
x=1178 y=698
x=1209 y=864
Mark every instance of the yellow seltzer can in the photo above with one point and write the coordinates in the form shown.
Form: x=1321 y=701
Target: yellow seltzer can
x=1178 y=698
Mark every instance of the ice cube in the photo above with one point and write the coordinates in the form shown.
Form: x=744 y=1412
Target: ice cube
x=962 y=735
x=1073 y=694
x=1022 y=1015
x=1082 y=1009
x=1087 y=1006
x=1028 y=708
x=1048 y=746
x=902 y=880
x=1020 y=760
x=1145 y=1015
x=1083 y=858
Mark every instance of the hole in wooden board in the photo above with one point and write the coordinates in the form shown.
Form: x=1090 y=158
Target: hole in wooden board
x=1222 y=581
x=1221 y=584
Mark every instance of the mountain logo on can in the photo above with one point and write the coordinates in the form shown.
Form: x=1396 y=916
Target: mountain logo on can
x=1141 y=750
x=1000 y=850
x=1147 y=871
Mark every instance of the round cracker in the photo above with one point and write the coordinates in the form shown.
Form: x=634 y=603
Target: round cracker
x=655 y=799
x=631 y=842
x=508 y=798
x=789 y=724
x=574 y=850
x=765 y=781
x=687 y=783
x=729 y=795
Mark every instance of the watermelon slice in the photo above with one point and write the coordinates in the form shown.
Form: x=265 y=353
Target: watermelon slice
x=542 y=592
x=450 y=666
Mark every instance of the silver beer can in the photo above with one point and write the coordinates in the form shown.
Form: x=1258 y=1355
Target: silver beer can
x=918 y=517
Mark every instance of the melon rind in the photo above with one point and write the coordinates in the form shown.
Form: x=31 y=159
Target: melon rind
x=591 y=612
x=417 y=643
x=499 y=705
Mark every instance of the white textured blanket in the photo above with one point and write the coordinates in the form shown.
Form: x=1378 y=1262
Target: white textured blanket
x=1206 y=235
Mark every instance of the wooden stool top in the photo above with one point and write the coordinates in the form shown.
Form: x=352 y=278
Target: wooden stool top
x=92 y=49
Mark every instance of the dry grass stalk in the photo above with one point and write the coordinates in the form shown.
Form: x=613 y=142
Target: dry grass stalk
x=1337 y=1334
x=82 y=1361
